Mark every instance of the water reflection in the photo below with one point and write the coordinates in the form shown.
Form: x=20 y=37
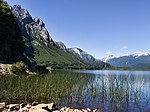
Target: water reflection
x=118 y=91
x=108 y=91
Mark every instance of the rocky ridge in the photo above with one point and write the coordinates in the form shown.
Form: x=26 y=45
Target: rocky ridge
x=40 y=49
x=137 y=59
x=61 y=45
x=81 y=54
x=35 y=29
x=35 y=34
x=31 y=28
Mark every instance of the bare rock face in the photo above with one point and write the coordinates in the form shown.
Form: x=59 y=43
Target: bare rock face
x=31 y=28
x=22 y=14
x=61 y=45
x=39 y=22
x=37 y=30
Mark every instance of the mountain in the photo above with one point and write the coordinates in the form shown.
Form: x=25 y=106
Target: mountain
x=41 y=49
x=61 y=45
x=11 y=42
x=136 y=60
x=81 y=54
x=24 y=38
x=87 y=58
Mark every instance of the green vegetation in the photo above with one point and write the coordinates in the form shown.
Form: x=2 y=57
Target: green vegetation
x=126 y=68
x=12 y=47
x=18 y=67
x=11 y=42
x=41 y=88
x=75 y=89
x=58 y=59
x=55 y=57
x=98 y=65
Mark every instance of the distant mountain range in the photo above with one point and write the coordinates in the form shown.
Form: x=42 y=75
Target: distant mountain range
x=87 y=58
x=37 y=45
x=136 y=60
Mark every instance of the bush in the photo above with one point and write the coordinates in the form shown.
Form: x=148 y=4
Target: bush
x=18 y=67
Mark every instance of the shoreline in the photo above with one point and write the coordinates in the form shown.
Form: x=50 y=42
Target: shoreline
x=36 y=107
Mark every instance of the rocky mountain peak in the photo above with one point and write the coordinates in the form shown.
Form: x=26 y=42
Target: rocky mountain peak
x=81 y=54
x=22 y=14
x=18 y=7
x=110 y=56
x=31 y=28
x=61 y=45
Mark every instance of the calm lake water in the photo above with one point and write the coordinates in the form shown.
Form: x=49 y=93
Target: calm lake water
x=108 y=91
x=118 y=91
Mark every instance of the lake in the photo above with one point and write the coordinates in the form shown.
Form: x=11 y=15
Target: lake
x=106 y=90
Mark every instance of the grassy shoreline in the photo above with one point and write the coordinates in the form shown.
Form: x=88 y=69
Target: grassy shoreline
x=127 y=68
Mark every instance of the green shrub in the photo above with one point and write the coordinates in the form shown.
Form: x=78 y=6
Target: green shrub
x=18 y=67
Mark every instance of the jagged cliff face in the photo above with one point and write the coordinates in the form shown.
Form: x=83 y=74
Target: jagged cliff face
x=31 y=28
x=42 y=50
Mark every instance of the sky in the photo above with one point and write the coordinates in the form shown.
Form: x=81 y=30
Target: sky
x=99 y=27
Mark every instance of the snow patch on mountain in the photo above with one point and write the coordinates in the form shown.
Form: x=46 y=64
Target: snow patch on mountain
x=137 y=59
x=135 y=55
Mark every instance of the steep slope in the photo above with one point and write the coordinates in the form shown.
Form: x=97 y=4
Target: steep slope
x=39 y=46
x=55 y=57
x=81 y=54
x=87 y=58
x=11 y=42
x=136 y=60
x=62 y=46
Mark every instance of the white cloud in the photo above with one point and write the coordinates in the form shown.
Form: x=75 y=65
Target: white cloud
x=109 y=53
x=124 y=47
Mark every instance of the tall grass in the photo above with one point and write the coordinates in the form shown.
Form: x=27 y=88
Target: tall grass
x=41 y=88
x=107 y=92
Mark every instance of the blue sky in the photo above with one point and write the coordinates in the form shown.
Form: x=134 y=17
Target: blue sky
x=100 y=27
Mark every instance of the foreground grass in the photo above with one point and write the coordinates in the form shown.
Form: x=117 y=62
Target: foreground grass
x=41 y=88
x=115 y=92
